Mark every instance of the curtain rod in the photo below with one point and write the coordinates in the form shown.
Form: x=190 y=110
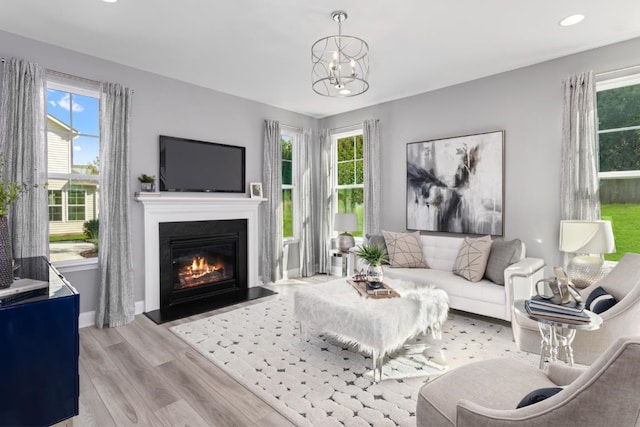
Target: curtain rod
x=346 y=127
x=618 y=70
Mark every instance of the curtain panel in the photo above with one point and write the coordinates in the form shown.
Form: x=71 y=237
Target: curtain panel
x=326 y=200
x=115 y=297
x=579 y=186
x=272 y=250
x=371 y=142
x=307 y=203
x=24 y=148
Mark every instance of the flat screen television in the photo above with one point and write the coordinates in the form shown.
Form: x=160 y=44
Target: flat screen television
x=189 y=165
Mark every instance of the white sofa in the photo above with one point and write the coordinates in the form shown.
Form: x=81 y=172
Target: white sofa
x=483 y=297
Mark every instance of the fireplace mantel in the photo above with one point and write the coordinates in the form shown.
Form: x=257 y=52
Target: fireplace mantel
x=183 y=207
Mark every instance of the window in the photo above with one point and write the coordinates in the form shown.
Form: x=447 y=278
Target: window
x=349 y=191
x=618 y=102
x=73 y=144
x=287 y=143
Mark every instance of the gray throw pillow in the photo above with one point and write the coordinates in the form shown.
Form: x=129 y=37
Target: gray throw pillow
x=503 y=254
x=378 y=239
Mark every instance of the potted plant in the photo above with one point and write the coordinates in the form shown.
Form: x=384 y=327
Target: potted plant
x=147 y=182
x=10 y=191
x=375 y=255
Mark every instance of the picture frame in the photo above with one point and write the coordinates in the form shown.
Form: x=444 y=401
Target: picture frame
x=456 y=184
x=255 y=189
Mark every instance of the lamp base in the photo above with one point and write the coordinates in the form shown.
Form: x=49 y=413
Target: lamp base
x=345 y=242
x=585 y=270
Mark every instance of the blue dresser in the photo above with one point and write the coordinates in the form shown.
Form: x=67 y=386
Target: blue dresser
x=39 y=349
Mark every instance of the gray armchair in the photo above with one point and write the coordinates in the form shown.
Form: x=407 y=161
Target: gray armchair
x=623 y=282
x=486 y=393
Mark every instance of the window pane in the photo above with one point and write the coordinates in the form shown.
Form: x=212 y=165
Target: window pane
x=73 y=208
x=619 y=151
x=359 y=171
x=85 y=114
x=287 y=172
x=352 y=201
x=86 y=150
x=618 y=108
x=345 y=149
x=359 y=147
x=346 y=173
x=287 y=213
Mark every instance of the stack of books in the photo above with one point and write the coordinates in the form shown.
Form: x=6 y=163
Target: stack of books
x=572 y=312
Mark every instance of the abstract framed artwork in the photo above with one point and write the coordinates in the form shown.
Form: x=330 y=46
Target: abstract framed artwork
x=456 y=184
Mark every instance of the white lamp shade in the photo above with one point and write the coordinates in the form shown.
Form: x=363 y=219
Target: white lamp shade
x=345 y=222
x=587 y=237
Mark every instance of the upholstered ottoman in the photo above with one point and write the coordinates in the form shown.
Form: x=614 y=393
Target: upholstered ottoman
x=377 y=326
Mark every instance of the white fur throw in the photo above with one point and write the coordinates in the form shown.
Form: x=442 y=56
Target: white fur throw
x=381 y=325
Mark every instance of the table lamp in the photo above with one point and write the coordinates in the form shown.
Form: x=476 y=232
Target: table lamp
x=345 y=222
x=586 y=238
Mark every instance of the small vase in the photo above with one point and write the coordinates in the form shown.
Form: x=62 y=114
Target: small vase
x=374 y=273
x=6 y=254
x=148 y=186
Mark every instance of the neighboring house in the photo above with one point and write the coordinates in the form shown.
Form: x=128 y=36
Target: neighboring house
x=72 y=202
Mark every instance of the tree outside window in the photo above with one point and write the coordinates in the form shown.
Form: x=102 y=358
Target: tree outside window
x=288 y=187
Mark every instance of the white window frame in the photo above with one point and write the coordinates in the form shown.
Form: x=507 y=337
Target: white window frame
x=614 y=83
x=353 y=131
x=294 y=134
x=78 y=87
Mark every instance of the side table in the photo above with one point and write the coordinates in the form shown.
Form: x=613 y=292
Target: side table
x=344 y=259
x=556 y=334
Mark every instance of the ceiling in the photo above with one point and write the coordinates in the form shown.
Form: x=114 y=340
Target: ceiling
x=261 y=49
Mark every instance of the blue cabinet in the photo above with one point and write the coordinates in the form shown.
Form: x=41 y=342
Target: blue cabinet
x=39 y=349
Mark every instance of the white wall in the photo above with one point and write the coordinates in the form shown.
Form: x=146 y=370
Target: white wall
x=160 y=106
x=527 y=104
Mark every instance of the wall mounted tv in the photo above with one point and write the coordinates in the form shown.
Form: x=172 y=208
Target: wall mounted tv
x=188 y=165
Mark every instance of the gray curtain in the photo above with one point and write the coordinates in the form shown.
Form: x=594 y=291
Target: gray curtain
x=579 y=187
x=371 y=141
x=272 y=251
x=115 y=298
x=23 y=143
x=307 y=204
x=326 y=201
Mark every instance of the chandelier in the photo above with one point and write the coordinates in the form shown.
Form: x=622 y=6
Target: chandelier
x=340 y=63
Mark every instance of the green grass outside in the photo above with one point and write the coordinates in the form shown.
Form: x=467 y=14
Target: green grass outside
x=68 y=238
x=625 y=220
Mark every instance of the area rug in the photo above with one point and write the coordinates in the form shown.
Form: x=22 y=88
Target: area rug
x=321 y=382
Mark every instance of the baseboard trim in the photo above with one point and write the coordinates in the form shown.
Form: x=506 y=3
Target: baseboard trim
x=88 y=318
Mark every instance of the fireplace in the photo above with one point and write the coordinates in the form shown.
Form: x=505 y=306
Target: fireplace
x=202 y=262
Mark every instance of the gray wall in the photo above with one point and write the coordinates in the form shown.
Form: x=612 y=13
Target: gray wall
x=160 y=106
x=527 y=104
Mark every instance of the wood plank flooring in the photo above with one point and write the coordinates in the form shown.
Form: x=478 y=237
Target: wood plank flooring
x=141 y=374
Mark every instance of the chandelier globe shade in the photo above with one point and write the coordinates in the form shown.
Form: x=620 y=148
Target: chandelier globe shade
x=340 y=63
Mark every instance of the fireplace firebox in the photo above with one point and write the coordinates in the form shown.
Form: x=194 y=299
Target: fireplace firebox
x=202 y=262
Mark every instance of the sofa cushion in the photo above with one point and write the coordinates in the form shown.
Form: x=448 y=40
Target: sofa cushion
x=471 y=261
x=599 y=300
x=405 y=249
x=502 y=255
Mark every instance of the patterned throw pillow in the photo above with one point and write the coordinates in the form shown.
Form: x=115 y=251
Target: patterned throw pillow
x=405 y=249
x=472 y=258
x=600 y=301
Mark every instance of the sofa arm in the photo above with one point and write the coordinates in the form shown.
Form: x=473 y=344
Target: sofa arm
x=563 y=375
x=520 y=280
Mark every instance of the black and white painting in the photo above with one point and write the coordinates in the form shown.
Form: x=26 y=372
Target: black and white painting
x=455 y=184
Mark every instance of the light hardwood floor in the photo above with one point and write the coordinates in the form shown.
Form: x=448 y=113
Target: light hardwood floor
x=141 y=374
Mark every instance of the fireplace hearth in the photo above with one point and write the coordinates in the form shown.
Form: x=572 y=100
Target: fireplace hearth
x=203 y=266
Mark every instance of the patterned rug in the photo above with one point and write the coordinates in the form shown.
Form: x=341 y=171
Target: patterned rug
x=320 y=382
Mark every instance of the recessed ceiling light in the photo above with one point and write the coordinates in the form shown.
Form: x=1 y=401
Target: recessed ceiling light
x=345 y=92
x=571 y=20
x=109 y=1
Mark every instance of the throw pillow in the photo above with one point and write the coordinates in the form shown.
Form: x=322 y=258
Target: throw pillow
x=471 y=261
x=405 y=249
x=599 y=300
x=377 y=239
x=538 y=396
x=502 y=255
